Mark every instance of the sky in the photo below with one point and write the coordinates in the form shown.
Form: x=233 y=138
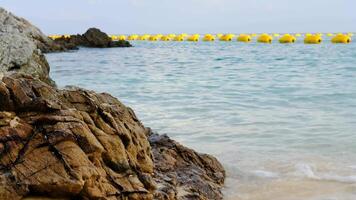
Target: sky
x=187 y=16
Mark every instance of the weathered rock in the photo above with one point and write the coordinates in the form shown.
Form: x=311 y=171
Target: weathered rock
x=20 y=47
x=11 y=24
x=93 y=37
x=77 y=144
x=182 y=173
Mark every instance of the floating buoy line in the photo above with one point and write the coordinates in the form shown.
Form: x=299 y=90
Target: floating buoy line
x=309 y=38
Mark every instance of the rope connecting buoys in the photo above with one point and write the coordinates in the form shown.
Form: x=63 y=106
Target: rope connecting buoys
x=208 y=38
x=265 y=38
x=312 y=39
x=244 y=38
x=287 y=38
x=309 y=38
x=341 y=38
x=330 y=34
x=227 y=37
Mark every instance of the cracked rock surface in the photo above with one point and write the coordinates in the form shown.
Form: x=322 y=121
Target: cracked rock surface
x=78 y=144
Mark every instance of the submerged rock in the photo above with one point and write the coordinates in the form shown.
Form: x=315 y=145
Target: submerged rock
x=75 y=143
x=93 y=37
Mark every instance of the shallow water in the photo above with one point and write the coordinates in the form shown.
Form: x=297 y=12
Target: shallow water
x=281 y=118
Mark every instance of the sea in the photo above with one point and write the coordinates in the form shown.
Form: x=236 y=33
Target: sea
x=281 y=118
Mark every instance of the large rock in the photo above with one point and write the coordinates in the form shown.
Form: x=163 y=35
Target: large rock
x=77 y=144
x=93 y=37
x=22 y=46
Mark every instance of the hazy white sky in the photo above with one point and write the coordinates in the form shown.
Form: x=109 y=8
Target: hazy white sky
x=189 y=16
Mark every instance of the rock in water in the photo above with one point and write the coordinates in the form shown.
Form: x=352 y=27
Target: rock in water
x=20 y=47
x=75 y=143
x=182 y=173
x=93 y=37
x=96 y=38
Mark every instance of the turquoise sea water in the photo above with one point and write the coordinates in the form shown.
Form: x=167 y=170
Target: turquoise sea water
x=281 y=118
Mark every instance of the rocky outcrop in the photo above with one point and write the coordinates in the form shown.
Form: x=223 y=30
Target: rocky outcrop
x=20 y=48
x=75 y=143
x=93 y=37
x=182 y=173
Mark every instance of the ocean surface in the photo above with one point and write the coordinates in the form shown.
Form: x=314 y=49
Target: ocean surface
x=281 y=118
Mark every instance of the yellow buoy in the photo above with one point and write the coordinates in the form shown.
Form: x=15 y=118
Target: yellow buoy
x=312 y=39
x=341 y=38
x=121 y=37
x=132 y=37
x=276 y=35
x=194 y=38
x=244 y=38
x=165 y=38
x=287 y=38
x=158 y=36
x=265 y=38
x=253 y=35
x=219 y=35
x=208 y=37
x=308 y=34
x=330 y=34
x=179 y=38
x=298 y=35
x=227 y=37
x=153 y=38
x=171 y=36
x=143 y=37
x=53 y=37
x=113 y=37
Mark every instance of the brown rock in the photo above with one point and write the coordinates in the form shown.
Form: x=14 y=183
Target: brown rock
x=66 y=144
x=183 y=173
x=77 y=144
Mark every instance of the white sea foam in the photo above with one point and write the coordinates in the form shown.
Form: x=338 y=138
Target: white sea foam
x=265 y=174
x=308 y=171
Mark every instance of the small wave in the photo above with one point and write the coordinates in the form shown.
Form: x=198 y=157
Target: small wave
x=265 y=174
x=307 y=171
